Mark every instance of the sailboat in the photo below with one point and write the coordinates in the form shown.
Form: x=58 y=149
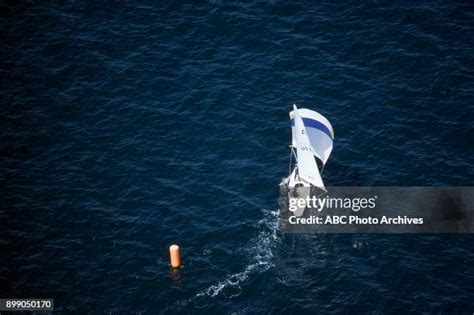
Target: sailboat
x=312 y=138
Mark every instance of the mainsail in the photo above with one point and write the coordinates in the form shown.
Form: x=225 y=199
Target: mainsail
x=319 y=132
x=307 y=167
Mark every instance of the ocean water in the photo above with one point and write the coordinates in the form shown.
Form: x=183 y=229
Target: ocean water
x=129 y=126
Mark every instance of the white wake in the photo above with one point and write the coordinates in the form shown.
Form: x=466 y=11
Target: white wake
x=260 y=248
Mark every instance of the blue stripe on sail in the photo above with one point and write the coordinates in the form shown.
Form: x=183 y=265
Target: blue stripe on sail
x=308 y=122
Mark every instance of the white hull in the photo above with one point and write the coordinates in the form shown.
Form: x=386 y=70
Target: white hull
x=299 y=189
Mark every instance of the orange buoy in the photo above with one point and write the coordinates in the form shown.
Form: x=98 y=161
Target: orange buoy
x=175 y=258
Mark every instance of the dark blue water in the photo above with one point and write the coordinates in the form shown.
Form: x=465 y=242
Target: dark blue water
x=127 y=127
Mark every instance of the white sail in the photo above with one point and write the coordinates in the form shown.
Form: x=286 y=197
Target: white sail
x=307 y=167
x=319 y=131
